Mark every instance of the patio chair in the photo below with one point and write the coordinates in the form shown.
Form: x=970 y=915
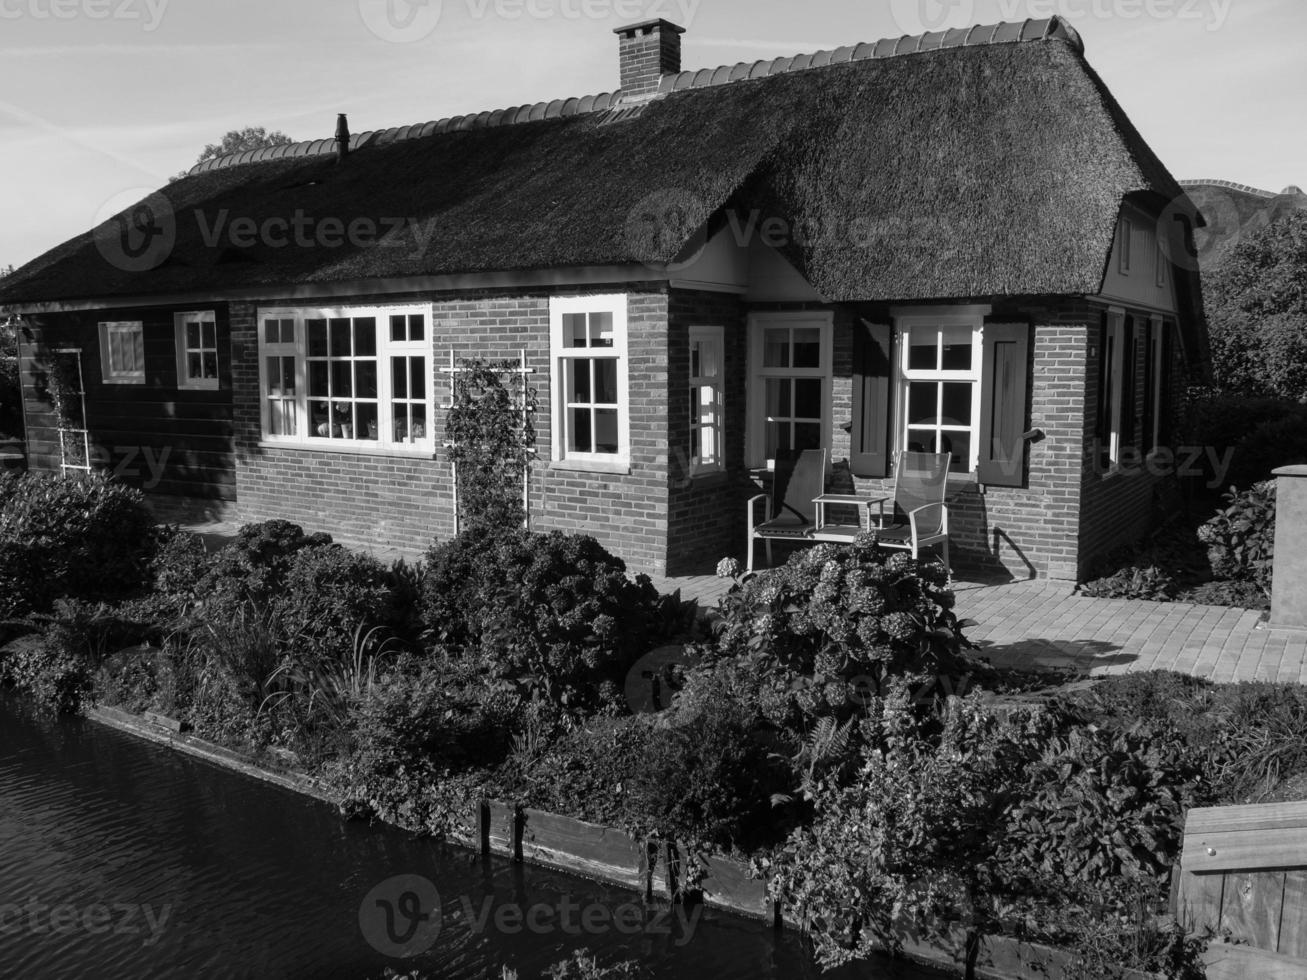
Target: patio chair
x=920 y=517
x=791 y=513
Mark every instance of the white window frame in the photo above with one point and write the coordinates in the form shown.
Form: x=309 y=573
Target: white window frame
x=960 y=319
x=715 y=337
x=113 y=374
x=1125 y=244
x=387 y=439
x=560 y=355
x=822 y=320
x=206 y=319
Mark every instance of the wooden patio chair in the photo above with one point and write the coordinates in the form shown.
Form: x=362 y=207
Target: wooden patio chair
x=791 y=513
x=920 y=516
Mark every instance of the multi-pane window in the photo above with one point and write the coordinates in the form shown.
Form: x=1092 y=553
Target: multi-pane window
x=706 y=358
x=790 y=390
x=940 y=376
x=279 y=372
x=357 y=377
x=589 y=377
x=197 y=349
x=122 y=352
x=408 y=377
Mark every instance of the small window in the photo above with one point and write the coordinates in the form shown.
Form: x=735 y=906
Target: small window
x=706 y=396
x=1123 y=244
x=197 y=350
x=1161 y=267
x=588 y=375
x=122 y=352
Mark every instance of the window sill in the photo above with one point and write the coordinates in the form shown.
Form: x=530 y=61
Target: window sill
x=420 y=452
x=708 y=479
x=199 y=386
x=124 y=381
x=616 y=468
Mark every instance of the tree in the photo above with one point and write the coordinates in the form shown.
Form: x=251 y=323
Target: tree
x=1257 y=313
x=5 y=270
x=238 y=141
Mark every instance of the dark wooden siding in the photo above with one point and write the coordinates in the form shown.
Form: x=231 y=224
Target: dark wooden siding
x=156 y=435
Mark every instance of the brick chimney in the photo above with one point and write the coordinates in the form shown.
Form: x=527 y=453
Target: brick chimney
x=647 y=51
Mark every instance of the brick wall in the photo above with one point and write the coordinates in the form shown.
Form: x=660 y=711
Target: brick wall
x=405 y=501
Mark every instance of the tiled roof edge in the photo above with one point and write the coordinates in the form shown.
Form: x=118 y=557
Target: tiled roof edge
x=1046 y=29
x=1256 y=191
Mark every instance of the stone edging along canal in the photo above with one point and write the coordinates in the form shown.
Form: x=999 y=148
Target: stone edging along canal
x=609 y=855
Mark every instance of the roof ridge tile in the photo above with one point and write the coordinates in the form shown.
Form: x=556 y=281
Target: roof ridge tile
x=1005 y=32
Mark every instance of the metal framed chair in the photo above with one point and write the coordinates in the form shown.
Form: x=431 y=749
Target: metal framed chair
x=791 y=513
x=920 y=516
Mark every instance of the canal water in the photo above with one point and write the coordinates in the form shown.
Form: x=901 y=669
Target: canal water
x=123 y=859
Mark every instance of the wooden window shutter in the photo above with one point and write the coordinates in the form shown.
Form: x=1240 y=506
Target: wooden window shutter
x=1130 y=383
x=873 y=369
x=1165 y=404
x=1146 y=442
x=1004 y=385
x=1103 y=422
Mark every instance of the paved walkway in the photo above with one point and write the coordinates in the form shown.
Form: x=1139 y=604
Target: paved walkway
x=1042 y=624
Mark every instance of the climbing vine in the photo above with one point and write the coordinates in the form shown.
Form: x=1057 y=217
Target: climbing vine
x=491 y=432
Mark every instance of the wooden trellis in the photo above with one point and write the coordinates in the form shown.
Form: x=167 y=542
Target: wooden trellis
x=74 y=441
x=523 y=372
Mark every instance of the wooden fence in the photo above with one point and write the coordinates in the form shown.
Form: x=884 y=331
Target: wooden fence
x=1244 y=871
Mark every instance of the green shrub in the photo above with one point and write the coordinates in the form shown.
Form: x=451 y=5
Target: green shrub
x=422 y=739
x=254 y=566
x=1223 y=421
x=1274 y=443
x=23 y=584
x=180 y=563
x=1100 y=807
x=57 y=666
x=1240 y=539
x=84 y=537
x=553 y=612
x=707 y=780
x=328 y=593
x=833 y=623
x=1134 y=582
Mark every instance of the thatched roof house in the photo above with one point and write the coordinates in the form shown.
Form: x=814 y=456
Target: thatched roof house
x=984 y=172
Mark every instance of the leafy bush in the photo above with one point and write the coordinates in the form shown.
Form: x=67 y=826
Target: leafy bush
x=84 y=537
x=328 y=593
x=1133 y=582
x=1099 y=807
x=707 y=779
x=553 y=612
x=831 y=624
x=254 y=566
x=180 y=563
x=1223 y=421
x=57 y=666
x=422 y=740
x=1240 y=539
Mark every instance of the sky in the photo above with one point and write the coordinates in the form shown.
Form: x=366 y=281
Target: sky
x=101 y=101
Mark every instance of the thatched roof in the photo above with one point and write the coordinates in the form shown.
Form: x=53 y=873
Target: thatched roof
x=985 y=163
